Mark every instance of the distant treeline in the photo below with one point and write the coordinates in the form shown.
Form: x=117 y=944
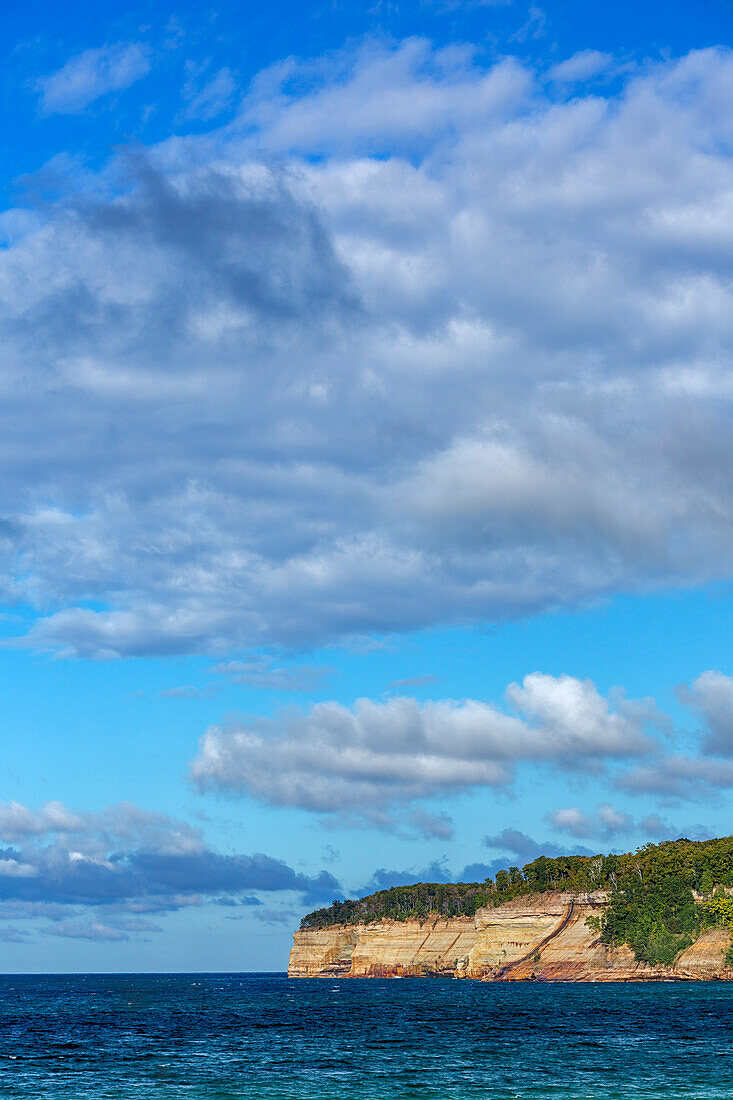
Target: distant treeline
x=651 y=902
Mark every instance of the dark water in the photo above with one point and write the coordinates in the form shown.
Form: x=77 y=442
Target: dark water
x=261 y=1036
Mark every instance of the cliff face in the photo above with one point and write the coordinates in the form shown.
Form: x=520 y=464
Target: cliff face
x=544 y=937
x=385 y=948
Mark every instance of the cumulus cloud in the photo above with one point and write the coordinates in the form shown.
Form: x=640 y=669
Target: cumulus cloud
x=333 y=758
x=125 y=863
x=679 y=776
x=403 y=98
x=711 y=697
x=15 y=868
x=605 y=822
x=463 y=355
x=577 y=721
x=17 y=821
x=125 y=825
x=91 y=75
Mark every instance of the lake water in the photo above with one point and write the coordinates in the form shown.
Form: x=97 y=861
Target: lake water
x=262 y=1036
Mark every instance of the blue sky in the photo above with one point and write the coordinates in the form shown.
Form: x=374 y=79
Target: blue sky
x=365 y=510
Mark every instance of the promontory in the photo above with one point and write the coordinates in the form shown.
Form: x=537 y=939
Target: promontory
x=663 y=912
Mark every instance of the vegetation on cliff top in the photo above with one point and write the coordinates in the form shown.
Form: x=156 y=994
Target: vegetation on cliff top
x=660 y=896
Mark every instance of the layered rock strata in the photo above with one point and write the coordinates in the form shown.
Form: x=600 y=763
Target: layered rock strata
x=545 y=937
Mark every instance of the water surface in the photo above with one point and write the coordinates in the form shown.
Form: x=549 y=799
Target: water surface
x=225 y=1037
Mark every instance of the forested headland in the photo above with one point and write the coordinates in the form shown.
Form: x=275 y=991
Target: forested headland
x=659 y=897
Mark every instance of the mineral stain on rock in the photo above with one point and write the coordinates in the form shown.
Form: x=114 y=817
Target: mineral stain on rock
x=544 y=937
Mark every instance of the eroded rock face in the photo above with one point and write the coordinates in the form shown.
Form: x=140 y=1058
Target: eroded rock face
x=706 y=958
x=434 y=947
x=382 y=949
x=543 y=938
x=504 y=935
x=322 y=953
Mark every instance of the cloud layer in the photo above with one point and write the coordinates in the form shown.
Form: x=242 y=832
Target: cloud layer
x=367 y=759
x=335 y=369
x=63 y=866
x=333 y=758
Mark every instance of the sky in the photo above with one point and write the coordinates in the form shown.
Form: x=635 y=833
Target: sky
x=366 y=510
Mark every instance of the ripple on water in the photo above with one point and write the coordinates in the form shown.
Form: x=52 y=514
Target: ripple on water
x=236 y=1037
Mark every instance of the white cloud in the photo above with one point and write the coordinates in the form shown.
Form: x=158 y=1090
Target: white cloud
x=332 y=758
x=613 y=820
x=93 y=74
x=605 y=822
x=583 y=65
x=680 y=776
x=125 y=862
x=17 y=821
x=574 y=715
x=711 y=697
x=571 y=820
x=457 y=360
x=13 y=868
x=409 y=96
x=124 y=826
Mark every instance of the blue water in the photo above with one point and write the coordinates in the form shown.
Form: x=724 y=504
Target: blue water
x=222 y=1037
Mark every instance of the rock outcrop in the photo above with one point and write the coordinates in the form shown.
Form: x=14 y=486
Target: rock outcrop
x=382 y=949
x=543 y=937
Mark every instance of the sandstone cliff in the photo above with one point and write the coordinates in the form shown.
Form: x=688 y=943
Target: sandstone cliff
x=543 y=937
